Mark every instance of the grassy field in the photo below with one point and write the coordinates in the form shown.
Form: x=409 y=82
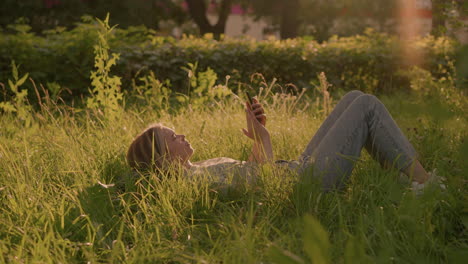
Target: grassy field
x=58 y=204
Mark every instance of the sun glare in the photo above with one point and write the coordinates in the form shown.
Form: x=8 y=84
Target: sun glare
x=409 y=27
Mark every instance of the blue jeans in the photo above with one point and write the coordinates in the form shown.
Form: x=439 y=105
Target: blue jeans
x=358 y=121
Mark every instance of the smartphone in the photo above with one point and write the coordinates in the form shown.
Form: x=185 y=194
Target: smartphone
x=251 y=103
x=249 y=98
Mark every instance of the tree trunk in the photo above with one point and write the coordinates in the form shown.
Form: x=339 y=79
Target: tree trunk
x=197 y=10
x=224 y=12
x=289 y=19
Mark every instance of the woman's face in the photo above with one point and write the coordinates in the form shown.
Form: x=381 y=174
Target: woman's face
x=179 y=149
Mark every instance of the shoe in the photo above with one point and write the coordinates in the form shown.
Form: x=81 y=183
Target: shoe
x=403 y=179
x=434 y=180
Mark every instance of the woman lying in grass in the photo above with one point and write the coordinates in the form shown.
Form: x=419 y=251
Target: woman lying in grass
x=358 y=121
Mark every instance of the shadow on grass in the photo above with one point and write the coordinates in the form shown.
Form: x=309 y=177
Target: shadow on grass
x=93 y=222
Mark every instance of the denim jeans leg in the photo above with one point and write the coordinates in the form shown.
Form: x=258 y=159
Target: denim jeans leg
x=340 y=107
x=365 y=120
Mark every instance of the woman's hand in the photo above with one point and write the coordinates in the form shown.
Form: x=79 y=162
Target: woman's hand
x=258 y=111
x=256 y=121
x=262 y=150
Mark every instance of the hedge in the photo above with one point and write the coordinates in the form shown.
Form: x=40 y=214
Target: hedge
x=368 y=62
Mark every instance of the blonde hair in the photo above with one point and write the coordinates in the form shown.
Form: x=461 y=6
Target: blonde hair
x=147 y=150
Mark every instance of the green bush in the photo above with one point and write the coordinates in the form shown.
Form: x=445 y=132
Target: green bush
x=368 y=62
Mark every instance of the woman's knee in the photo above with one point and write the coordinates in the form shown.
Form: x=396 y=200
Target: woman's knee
x=368 y=103
x=353 y=94
x=367 y=99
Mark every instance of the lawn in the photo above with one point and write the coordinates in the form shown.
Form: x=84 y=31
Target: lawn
x=59 y=202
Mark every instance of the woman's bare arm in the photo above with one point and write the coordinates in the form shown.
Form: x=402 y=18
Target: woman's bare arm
x=262 y=150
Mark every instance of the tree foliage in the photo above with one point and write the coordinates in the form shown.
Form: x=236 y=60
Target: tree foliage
x=447 y=12
x=323 y=18
x=318 y=18
x=47 y=14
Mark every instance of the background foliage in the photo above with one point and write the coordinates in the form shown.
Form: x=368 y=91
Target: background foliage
x=64 y=58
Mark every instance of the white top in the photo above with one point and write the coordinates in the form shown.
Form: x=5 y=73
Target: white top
x=230 y=171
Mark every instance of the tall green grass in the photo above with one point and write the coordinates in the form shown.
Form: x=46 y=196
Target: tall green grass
x=58 y=203
x=67 y=195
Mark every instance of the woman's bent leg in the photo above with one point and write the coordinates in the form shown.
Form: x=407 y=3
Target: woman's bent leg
x=365 y=120
x=340 y=107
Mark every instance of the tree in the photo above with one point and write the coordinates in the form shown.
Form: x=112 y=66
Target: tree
x=324 y=18
x=39 y=14
x=198 y=11
x=319 y=16
x=447 y=12
x=289 y=23
x=438 y=17
x=282 y=13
